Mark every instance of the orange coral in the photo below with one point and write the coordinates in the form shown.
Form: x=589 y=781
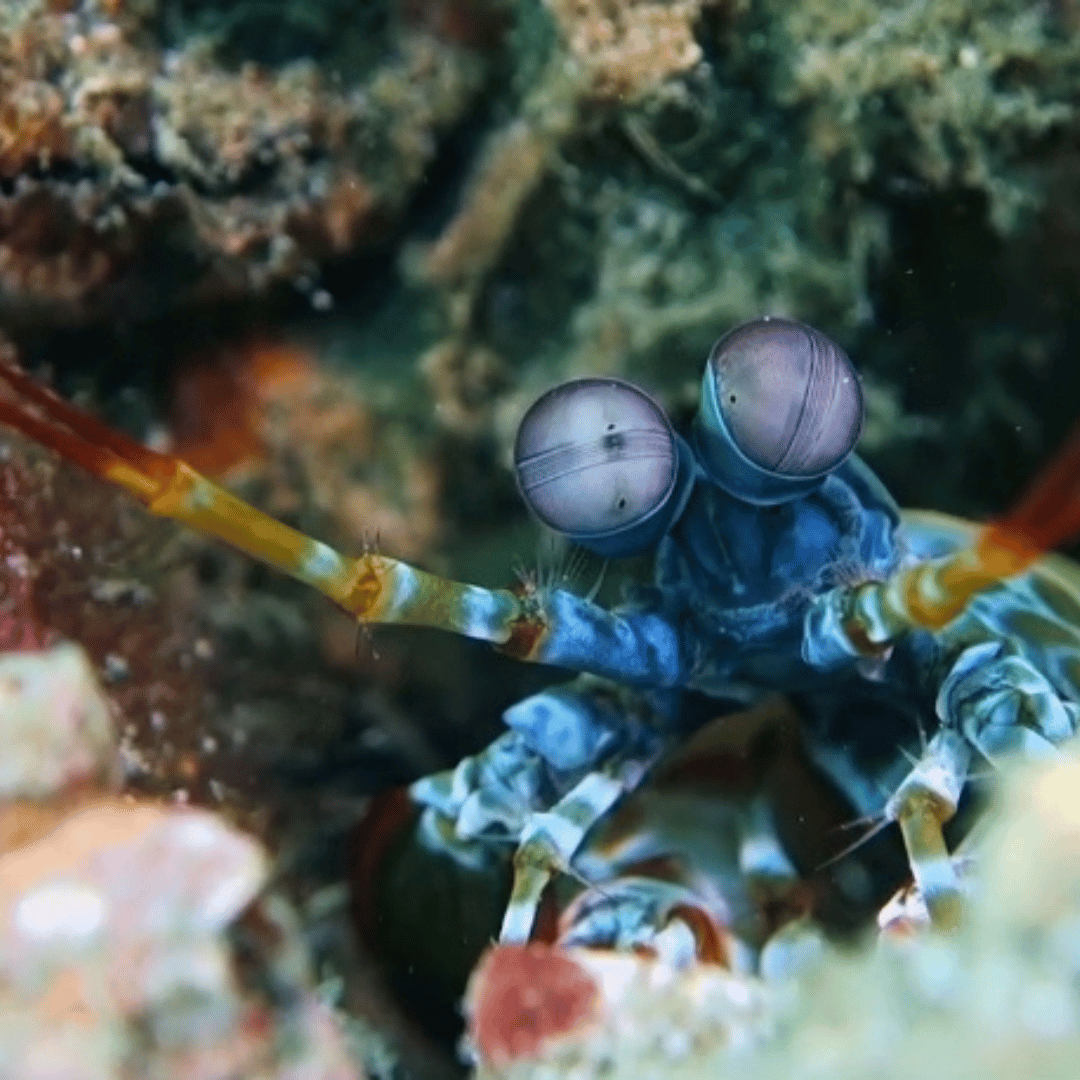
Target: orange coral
x=270 y=407
x=628 y=46
x=220 y=402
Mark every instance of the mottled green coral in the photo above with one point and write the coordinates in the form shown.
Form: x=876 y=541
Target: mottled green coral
x=880 y=169
x=946 y=93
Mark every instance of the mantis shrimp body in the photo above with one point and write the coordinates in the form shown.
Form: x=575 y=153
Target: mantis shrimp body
x=782 y=566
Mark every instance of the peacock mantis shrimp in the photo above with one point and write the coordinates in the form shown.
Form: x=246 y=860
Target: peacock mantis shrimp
x=782 y=565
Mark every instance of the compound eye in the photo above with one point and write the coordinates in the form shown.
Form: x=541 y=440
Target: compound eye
x=594 y=456
x=789 y=396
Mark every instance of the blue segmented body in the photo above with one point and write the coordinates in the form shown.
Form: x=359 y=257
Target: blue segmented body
x=781 y=567
x=861 y=730
x=904 y=650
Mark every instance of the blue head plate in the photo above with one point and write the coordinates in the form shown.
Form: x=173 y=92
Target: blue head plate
x=597 y=461
x=781 y=408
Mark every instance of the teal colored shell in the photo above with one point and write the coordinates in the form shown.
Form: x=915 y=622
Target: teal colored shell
x=1039 y=612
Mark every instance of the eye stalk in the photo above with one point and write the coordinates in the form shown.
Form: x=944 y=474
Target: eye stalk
x=597 y=461
x=781 y=408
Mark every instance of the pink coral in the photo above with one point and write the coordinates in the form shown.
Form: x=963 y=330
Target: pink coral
x=521 y=996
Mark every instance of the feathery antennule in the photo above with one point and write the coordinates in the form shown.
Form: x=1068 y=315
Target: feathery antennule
x=555 y=566
x=873 y=823
x=526 y=576
x=598 y=584
x=877 y=825
x=567 y=565
x=570 y=565
x=864 y=821
x=924 y=742
x=545 y=557
x=576 y=567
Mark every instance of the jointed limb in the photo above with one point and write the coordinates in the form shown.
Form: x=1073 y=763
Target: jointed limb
x=922 y=804
x=552 y=627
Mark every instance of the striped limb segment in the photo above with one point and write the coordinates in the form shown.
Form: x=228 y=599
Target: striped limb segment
x=921 y=805
x=931 y=594
x=550 y=843
x=374 y=588
x=991 y=701
x=649 y=915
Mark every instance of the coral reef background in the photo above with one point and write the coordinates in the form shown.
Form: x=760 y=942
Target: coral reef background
x=465 y=200
x=330 y=251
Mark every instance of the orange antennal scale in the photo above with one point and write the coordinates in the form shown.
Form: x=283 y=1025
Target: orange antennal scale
x=372 y=587
x=931 y=594
x=1048 y=514
x=92 y=444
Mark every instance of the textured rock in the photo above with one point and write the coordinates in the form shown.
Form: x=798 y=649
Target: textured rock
x=135 y=939
x=55 y=724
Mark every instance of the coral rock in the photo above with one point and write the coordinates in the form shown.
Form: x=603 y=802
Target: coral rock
x=55 y=724
x=117 y=951
x=533 y=1008
x=521 y=996
x=142 y=174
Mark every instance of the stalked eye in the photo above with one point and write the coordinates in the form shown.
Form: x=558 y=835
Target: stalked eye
x=789 y=396
x=595 y=456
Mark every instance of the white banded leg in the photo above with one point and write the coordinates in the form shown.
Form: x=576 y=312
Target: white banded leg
x=548 y=845
x=922 y=804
